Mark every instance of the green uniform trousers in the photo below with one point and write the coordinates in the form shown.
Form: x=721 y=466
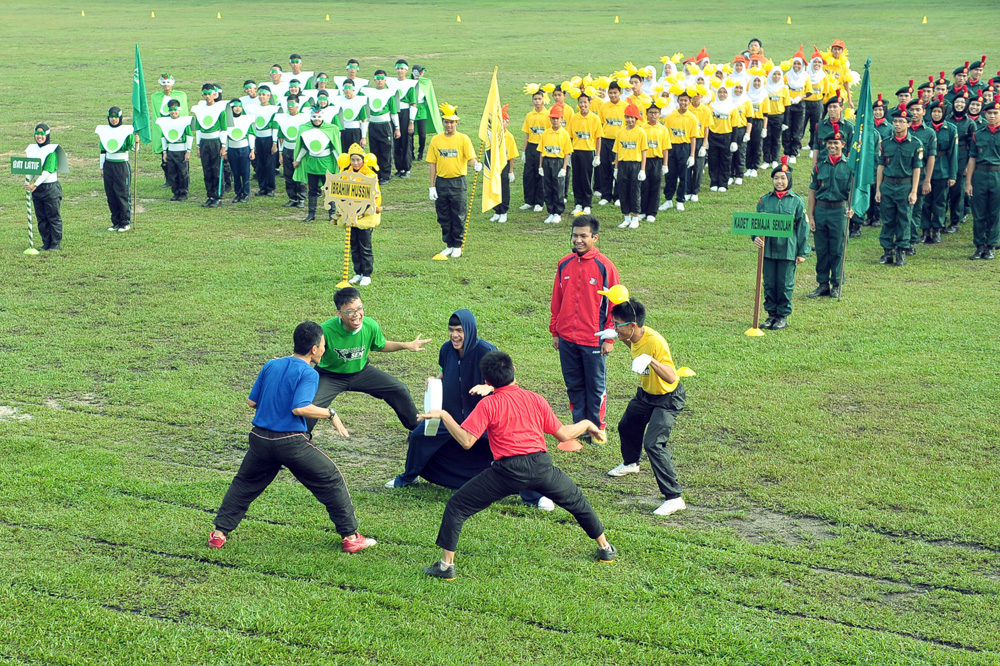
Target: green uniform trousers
x=779 y=281
x=831 y=229
x=897 y=216
x=986 y=208
x=936 y=206
x=916 y=214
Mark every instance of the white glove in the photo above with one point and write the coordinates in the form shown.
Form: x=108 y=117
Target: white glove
x=733 y=147
x=524 y=157
x=615 y=173
x=641 y=362
x=607 y=334
x=666 y=168
x=702 y=151
x=597 y=161
x=746 y=135
x=434 y=194
x=562 y=173
x=690 y=162
x=784 y=127
x=478 y=167
x=642 y=176
x=510 y=177
x=763 y=133
x=541 y=171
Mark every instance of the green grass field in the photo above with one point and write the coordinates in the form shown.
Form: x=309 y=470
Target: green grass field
x=841 y=474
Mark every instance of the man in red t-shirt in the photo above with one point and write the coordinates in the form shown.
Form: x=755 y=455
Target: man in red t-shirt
x=517 y=421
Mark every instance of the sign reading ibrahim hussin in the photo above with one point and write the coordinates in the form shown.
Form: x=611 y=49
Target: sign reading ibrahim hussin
x=354 y=196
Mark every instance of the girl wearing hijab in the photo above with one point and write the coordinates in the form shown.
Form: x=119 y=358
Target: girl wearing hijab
x=799 y=86
x=742 y=114
x=241 y=137
x=116 y=142
x=820 y=89
x=46 y=192
x=720 y=141
x=958 y=202
x=756 y=93
x=776 y=101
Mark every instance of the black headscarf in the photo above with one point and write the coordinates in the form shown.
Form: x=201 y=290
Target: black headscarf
x=45 y=128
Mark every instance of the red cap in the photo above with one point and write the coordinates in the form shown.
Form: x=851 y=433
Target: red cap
x=556 y=111
x=504 y=113
x=632 y=110
x=703 y=55
x=741 y=59
x=840 y=43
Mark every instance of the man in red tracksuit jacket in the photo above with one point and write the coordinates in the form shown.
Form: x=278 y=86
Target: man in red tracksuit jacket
x=579 y=313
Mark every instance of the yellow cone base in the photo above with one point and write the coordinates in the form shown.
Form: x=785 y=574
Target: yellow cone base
x=688 y=372
x=754 y=333
x=343 y=283
x=31 y=250
x=439 y=257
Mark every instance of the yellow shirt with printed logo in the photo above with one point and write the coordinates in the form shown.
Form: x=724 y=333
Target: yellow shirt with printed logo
x=613 y=118
x=652 y=343
x=775 y=103
x=630 y=144
x=584 y=131
x=683 y=127
x=657 y=140
x=742 y=114
x=450 y=155
x=555 y=143
x=535 y=124
x=703 y=115
x=722 y=123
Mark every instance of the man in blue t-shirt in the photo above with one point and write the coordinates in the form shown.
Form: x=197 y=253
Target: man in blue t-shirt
x=282 y=396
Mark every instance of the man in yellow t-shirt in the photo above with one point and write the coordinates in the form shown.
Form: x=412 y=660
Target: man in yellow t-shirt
x=507 y=177
x=657 y=150
x=683 y=128
x=649 y=416
x=554 y=149
x=630 y=165
x=612 y=119
x=450 y=155
x=703 y=114
x=585 y=132
x=535 y=123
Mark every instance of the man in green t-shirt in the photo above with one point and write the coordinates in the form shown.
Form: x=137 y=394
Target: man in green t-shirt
x=350 y=336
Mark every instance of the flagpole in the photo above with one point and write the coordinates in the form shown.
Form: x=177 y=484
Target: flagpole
x=135 y=184
x=472 y=196
x=847 y=233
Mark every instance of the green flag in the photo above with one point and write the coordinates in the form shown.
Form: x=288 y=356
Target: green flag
x=863 y=150
x=140 y=107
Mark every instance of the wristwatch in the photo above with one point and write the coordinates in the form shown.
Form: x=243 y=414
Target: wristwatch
x=332 y=414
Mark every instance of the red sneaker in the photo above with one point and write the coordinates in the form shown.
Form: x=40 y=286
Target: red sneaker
x=216 y=540
x=357 y=544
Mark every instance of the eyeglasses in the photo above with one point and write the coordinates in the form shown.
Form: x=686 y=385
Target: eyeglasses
x=624 y=323
x=322 y=78
x=380 y=77
x=354 y=67
x=360 y=312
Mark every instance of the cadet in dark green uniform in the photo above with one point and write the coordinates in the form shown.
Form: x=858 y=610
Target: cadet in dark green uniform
x=976 y=81
x=824 y=129
x=928 y=138
x=958 y=86
x=982 y=183
x=883 y=128
x=958 y=202
x=900 y=160
x=944 y=174
x=829 y=192
x=782 y=255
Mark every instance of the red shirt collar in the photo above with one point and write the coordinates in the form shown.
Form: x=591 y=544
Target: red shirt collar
x=781 y=194
x=937 y=126
x=834 y=160
x=900 y=139
x=993 y=130
x=879 y=121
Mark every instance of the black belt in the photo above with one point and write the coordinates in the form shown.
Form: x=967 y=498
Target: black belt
x=831 y=204
x=898 y=181
x=988 y=167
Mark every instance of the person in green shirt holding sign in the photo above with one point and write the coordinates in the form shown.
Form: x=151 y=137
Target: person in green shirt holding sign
x=46 y=192
x=782 y=255
x=350 y=336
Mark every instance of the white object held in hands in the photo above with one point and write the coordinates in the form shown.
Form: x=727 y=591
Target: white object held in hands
x=607 y=334
x=432 y=400
x=434 y=194
x=641 y=362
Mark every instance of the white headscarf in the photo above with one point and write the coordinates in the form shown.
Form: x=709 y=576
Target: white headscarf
x=756 y=95
x=669 y=69
x=816 y=76
x=795 y=79
x=772 y=87
x=724 y=106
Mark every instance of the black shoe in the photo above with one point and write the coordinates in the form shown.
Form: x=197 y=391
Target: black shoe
x=978 y=254
x=900 y=256
x=886 y=257
x=834 y=291
x=165 y=185
x=289 y=204
x=182 y=197
x=269 y=194
x=927 y=239
x=237 y=199
x=260 y=193
x=911 y=251
x=855 y=233
x=779 y=323
x=768 y=323
x=876 y=224
x=207 y=204
x=951 y=229
x=309 y=217
x=406 y=174
x=822 y=290
x=607 y=554
x=300 y=204
x=52 y=248
x=173 y=198
x=937 y=236
x=215 y=203
x=988 y=255
x=439 y=570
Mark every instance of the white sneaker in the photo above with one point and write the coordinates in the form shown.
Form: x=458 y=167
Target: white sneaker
x=586 y=210
x=680 y=206
x=445 y=252
x=670 y=506
x=538 y=209
x=625 y=224
x=694 y=198
x=792 y=159
x=556 y=219
x=365 y=281
x=722 y=189
x=624 y=469
x=125 y=228
x=112 y=228
x=524 y=207
x=650 y=218
x=597 y=194
x=356 y=279
x=548 y=220
x=634 y=224
x=714 y=188
x=667 y=205
x=752 y=173
x=495 y=217
x=618 y=203
x=602 y=202
x=739 y=181
x=503 y=218
x=577 y=209
x=545 y=504
x=731 y=180
x=455 y=252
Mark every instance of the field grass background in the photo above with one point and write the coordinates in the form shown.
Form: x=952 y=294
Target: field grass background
x=841 y=474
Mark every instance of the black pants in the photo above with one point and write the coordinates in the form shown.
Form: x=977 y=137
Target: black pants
x=47 y=199
x=628 y=187
x=380 y=144
x=553 y=184
x=531 y=182
x=420 y=130
x=698 y=170
x=177 y=170
x=361 y=251
x=265 y=161
x=791 y=138
x=583 y=177
x=604 y=175
x=646 y=424
x=295 y=190
x=368 y=380
x=756 y=143
x=649 y=189
x=239 y=160
x=507 y=476
x=738 y=160
x=720 y=160
x=504 y=205
x=451 y=204
x=117 y=178
x=676 y=178
x=270 y=450
x=348 y=137
x=813 y=114
x=402 y=148
x=211 y=165
x=772 y=142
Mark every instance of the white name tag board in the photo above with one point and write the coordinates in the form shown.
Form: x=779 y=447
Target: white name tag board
x=432 y=400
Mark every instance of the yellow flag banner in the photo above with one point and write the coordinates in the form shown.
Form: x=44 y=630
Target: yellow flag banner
x=491 y=132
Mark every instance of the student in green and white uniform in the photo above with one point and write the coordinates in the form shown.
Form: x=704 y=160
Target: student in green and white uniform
x=159 y=102
x=316 y=154
x=945 y=172
x=427 y=108
x=289 y=126
x=304 y=77
x=406 y=97
x=330 y=108
x=240 y=141
x=353 y=116
x=176 y=138
x=46 y=192
x=210 y=128
x=383 y=123
x=278 y=84
x=265 y=141
x=252 y=97
x=353 y=68
x=116 y=142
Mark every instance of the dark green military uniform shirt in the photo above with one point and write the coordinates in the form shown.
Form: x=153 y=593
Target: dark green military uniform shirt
x=830 y=181
x=900 y=158
x=946 y=166
x=927 y=137
x=986 y=146
x=786 y=248
x=824 y=130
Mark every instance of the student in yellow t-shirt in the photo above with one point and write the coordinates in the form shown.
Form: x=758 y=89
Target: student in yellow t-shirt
x=450 y=155
x=683 y=127
x=742 y=113
x=559 y=97
x=612 y=120
x=630 y=165
x=554 y=149
x=535 y=123
x=649 y=416
x=585 y=131
x=720 y=142
x=775 y=102
x=507 y=177
x=703 y=114
x=657 y=149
